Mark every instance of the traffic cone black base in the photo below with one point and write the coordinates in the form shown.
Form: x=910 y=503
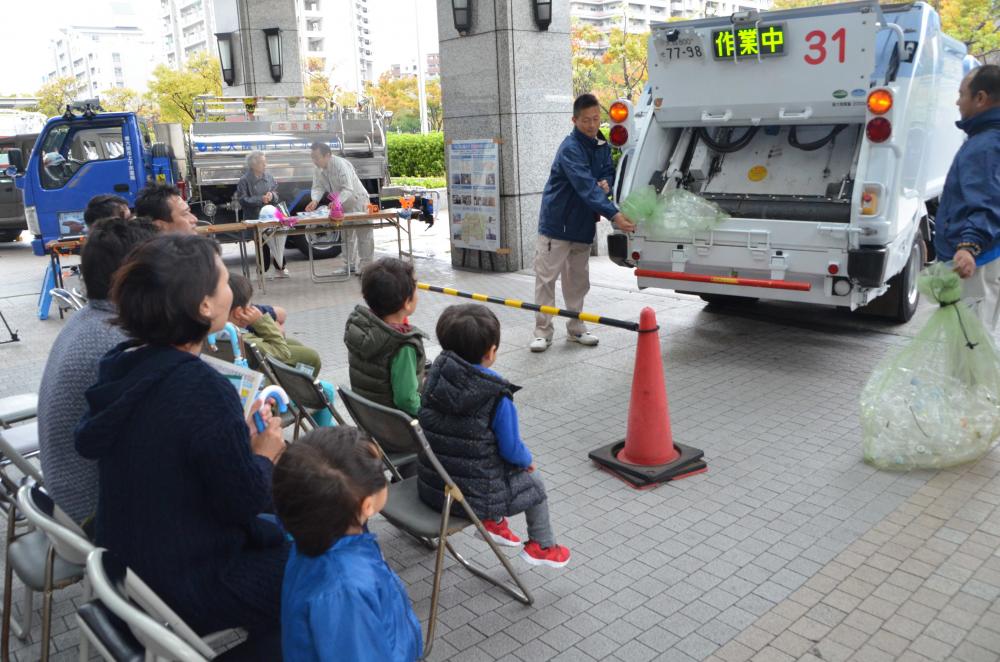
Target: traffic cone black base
x=639 y=476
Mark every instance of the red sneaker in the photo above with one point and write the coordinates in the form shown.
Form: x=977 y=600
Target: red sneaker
x=501 y=533
x=555 y=556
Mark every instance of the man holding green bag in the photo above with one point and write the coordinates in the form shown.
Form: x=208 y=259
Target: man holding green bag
x=968 y=219
x=574 y=199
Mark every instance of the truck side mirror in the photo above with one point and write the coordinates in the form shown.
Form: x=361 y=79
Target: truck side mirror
x=16 y=159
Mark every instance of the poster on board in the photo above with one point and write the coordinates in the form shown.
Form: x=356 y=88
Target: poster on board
x=474 y=194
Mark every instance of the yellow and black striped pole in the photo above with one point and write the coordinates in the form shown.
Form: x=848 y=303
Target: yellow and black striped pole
x=525 y=305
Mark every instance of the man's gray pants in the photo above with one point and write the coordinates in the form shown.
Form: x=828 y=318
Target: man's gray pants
x=981 y=292
x=555 y=258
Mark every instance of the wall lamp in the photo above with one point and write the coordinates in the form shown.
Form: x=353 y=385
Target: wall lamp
x=225 y=41
x=462 y=13
x=543 y=13
x=273 y=37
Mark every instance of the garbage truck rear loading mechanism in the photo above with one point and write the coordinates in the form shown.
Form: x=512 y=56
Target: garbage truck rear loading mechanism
x=825 y=133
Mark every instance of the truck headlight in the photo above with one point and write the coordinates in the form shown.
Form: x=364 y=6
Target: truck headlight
x=31 y=218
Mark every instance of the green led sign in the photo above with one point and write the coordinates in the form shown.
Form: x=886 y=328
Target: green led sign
x=749 y=41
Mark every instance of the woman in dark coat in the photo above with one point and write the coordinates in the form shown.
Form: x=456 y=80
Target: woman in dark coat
x=182 y=476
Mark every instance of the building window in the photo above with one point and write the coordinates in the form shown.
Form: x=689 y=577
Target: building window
x=315 y=45
x=311 y=5
x=314 y=25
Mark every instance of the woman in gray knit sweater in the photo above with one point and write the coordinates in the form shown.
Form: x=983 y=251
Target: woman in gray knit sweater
x=72 y=366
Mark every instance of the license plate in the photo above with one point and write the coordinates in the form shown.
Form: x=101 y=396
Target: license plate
x=683 y=49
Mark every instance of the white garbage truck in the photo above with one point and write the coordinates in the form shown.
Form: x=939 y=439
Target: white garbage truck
x=823 y=133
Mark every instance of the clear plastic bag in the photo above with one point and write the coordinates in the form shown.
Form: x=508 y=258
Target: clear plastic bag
x=675 y=213
x=935 y=403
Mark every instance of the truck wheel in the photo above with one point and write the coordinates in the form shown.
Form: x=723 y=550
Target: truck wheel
x=905 y=283
x=161 y=150
x=900 y=301
x=318 y=253
x=10 y=235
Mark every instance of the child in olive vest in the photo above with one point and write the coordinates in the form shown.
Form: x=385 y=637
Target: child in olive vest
x=469 y=418
x=385 y=353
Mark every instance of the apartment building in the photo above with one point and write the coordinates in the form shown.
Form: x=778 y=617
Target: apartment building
x=188 y=26
x=637 y=16
x=338 y=34
x=100 y=58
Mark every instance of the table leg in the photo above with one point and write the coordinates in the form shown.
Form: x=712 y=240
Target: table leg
x=258 y=246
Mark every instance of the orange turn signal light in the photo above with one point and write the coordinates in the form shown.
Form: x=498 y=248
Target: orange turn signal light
x=618 y=111
x=879 y=102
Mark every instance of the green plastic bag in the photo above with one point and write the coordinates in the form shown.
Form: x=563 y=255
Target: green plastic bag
x=935 y=403
x=675 y=214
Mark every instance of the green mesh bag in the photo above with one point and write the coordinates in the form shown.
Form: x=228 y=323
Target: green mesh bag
x=935 y=403
x=675 y=214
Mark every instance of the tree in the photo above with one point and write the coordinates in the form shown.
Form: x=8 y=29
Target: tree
x=610 y=66
x=974 y=22
x=401 y=98
x=317 y=82
x=125 y=99
x=174 y=91
x=54 y=95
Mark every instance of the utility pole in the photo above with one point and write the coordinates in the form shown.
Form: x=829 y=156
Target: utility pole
x=421 y=90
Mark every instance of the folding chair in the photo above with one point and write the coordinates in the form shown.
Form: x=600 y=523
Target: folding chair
x=109 y=635
x=407 y=512
x=160 y=631
x=17 y=408
x=29 y=546
x=304 y=391
x=65 y=299
x=64 y=560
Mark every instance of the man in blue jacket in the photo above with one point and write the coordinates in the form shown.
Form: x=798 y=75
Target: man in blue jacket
x=574 y=200
x=968 y=218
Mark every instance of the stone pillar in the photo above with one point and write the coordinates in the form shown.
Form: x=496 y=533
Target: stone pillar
x=507 y=79
x=246 y=20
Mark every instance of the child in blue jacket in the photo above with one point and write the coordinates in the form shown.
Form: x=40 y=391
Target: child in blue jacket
x=339 y=599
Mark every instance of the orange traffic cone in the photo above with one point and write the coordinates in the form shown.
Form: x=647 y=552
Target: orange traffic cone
x=648 y=455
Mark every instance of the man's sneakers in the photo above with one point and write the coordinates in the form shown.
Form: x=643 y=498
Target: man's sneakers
x=555 y=556
x=585 y=339
x=540 y=344
x=501 y=533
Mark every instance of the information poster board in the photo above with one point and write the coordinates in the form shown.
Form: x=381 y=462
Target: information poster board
x=474 y=190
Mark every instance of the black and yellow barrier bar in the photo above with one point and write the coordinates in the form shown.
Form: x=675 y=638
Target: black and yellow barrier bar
x=525 y=305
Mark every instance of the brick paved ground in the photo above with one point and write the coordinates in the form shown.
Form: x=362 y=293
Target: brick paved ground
x=788 y=548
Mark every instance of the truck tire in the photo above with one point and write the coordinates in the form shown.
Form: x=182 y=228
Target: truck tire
x=299 y=242
x=8 y=236
x=900 y=302
x=160 y=150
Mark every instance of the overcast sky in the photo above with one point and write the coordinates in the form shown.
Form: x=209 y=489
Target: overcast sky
x=28 y=25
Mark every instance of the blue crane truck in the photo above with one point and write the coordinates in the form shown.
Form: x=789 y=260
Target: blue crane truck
x=86 y=152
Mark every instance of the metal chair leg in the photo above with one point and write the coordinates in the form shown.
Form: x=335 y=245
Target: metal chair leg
x=47 y=604
x=438 y=569
x=21 y=630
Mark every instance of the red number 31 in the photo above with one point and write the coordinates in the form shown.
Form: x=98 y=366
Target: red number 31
x=817 y=44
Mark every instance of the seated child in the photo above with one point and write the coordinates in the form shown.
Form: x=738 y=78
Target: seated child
x=470 y=421
x=339 y=599
x=385 y=352
x=262 y=330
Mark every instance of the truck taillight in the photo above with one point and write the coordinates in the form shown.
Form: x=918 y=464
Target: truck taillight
x=878 y=129
x=618 y=112
x=621 y=132
x=880 y=102
x=618 y=135
x=31 y=218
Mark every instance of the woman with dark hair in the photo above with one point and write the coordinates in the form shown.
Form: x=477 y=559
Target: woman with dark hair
x=182 y=476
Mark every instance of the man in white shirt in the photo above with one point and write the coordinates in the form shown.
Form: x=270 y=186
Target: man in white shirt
x=336 y=175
